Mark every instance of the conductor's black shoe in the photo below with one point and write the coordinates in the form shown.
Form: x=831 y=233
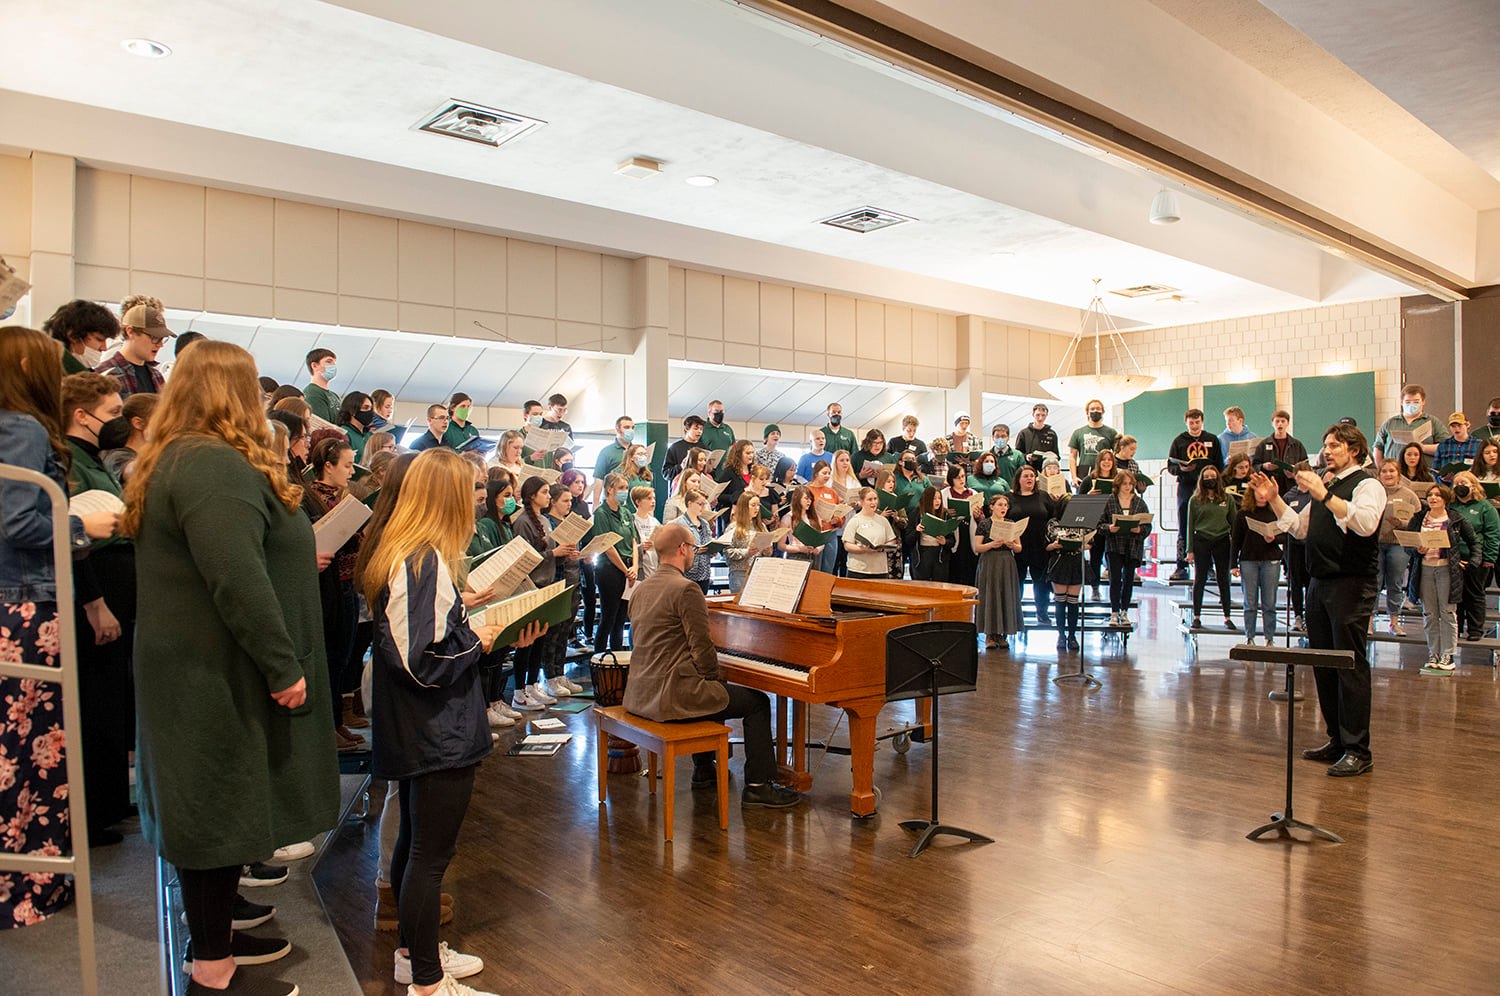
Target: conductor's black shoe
x=1327 y=753
x=768 y=796
x=1180 y=574
x=705 y=776
x=1350 y=764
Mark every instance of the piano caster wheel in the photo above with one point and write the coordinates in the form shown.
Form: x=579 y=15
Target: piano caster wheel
x=901 y=742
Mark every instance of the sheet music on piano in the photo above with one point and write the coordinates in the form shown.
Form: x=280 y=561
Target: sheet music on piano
x=775 y=584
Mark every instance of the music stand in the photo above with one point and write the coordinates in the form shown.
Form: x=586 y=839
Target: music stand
x=1082 y=512
x=931 y=660
x=1283 y=822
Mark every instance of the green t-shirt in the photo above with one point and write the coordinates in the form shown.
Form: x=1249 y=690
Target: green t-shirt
x=622 y=522
x=716 y=437
x=456 y=435
x=1088 y=440
x=839 y=439
x=609 y=460
x=323 y=402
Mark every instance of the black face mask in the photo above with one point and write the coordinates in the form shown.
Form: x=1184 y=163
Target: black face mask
x=1494 y=420
x=1210 y=484
x=115 y=433
x=1096 y=416
x=834 y=420
x=717 y=418
x=1461 y=492
x=909 y=465
x=364 y=419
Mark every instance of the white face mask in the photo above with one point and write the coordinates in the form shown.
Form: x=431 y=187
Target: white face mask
x=92 y=357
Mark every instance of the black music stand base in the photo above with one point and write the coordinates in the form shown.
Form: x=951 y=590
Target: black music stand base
x=1283 y=822
x=930 y=829
x=1081 y=676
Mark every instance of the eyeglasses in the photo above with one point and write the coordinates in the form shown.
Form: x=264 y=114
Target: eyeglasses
x=157 y=340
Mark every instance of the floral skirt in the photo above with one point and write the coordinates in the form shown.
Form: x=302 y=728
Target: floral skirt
x=33 y=778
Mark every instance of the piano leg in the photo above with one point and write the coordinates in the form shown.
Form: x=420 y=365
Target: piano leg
x=924 y=720
x=798 y=776
x=862 y=714
x=781 y=730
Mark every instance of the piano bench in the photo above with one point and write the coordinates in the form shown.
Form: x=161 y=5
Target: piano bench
x=669 y=741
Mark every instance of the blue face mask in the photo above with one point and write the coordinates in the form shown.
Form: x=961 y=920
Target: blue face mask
x=640 y=460
x=627 y=435
x=620 y=497
x=510 y=506
x=331 y=371
x=1002 y=444
x=535 y=420
x=1411 y=408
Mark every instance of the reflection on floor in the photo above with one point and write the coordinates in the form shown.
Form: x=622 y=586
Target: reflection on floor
x=1120 y=863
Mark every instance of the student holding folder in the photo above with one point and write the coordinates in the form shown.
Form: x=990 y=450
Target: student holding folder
x=1441 y=576
x=866 y=535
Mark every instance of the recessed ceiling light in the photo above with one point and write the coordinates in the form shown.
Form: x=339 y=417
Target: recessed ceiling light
x=145 y=48
x=701 y=181
x=639 y=167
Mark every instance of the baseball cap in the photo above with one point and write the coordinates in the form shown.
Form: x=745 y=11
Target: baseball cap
x=1458 y=418
x=145 y=318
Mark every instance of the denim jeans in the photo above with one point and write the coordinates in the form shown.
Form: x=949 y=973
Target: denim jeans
x=1439 y=614
x=1393 y=574
x=1258 y=579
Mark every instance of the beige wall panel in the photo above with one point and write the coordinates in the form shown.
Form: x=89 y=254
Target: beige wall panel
x=98 y=283
x=531 y=330
x=775 y=357
x=53 y=191
x=367 y=256
x=809 y=321
x=226 y=297
x=925 y=376
x=1046 y=350
x=741 y=310
x=897 y=334
x=616 y=302
x=947 y=341
x=810 y=363
x=424 y=318
x=368 y=312
x=307 y=247
x=239 y=237
x=174 y=290
x=924 y=347
x=866 y=369
x=676 y=301
x=703 y=306
x=898 y=373
x=531 y=276
x=838 y=326
x=741 y=354
x=704 y=351
x=841 y=366
x=15 y=208
x=776 y=318
x=676 y=347
x=869 y=330
x=166 y=226
x=479 y=271
x=464 y=327
x=425 y=258
x=583 y=335
x=305 y=306
x=103 y=228
x=580 y=286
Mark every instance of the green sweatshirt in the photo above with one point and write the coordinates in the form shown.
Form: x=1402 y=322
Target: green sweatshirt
x=1486 y=522
x=1210 y=520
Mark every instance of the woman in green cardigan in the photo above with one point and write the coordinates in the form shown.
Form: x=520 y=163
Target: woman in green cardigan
x=235 y=754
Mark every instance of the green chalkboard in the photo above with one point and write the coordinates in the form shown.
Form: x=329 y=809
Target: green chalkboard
x=1318 y=402
x=1258 y=398
x=1155 y=419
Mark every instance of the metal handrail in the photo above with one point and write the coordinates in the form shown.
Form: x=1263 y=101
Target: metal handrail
x=76 y=864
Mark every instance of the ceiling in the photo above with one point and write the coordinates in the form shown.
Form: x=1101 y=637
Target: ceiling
x=1012 y=221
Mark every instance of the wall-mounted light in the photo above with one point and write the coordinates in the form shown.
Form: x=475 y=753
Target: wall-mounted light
x=1164 y=209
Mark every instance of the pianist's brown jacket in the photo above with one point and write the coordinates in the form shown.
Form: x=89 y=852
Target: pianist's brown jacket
x=674 y=666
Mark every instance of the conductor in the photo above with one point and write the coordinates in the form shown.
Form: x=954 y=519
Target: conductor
x=674 y=670
x=1341 y=531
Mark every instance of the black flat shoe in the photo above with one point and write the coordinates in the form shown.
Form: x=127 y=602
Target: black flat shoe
x=245 y=984
x=1349 y=765
x=1073 y=643
x=706 y=777
x=1328 y=753
x=768 y=796
x=247 y=949
x=261 y=874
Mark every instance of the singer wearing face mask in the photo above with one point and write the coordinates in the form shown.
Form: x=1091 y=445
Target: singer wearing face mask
x=84 y=328
x=1469 y=501
x=1491 y=428
x=618 y=566
x=613 y=455
x=835 y=436
x=1008 y=460
x=460 y=430
x=1087 y=440
x=1410 y=425
x=1210 y=519
x=356 y=416
x=322 y=368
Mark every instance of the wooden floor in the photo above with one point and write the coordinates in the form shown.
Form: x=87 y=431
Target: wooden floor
x=1120 y=863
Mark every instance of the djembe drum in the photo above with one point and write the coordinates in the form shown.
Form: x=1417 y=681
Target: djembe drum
x=609 y=675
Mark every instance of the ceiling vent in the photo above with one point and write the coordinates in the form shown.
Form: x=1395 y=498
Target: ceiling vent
x=1144 y=290
x=866 y=219
x=474 y=123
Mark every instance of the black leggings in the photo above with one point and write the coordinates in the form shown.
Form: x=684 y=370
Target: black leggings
x=528 y=666
x=586 y=584
x=1122 y=568
x=1297 y=576
x=432 y=811
x=208 y=900
x=1210 y=552
x=613 y=609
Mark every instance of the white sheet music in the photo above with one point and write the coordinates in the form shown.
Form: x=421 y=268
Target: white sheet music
x=342 y=521
x=775 y=584
x=570 y=530
x=505 y=568
x=546 y=439
x=1006 y=531
x=88 y=502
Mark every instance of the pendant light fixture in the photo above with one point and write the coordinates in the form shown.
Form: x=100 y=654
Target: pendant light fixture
x=1110 y=388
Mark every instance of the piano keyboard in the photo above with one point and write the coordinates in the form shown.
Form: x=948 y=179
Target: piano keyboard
x=765 y=665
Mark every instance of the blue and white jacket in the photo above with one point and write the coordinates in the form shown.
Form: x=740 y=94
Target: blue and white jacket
x=428 y=710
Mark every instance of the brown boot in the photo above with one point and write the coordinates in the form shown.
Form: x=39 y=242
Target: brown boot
x=386 y=916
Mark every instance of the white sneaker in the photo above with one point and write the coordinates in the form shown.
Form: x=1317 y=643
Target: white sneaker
x=456 y=965
x=557 y=688
x=538 y=692
x=294 y=852
x=506 y=710
x=498 y=718
x=573 y=686
x=449 y=987
x=523 y=702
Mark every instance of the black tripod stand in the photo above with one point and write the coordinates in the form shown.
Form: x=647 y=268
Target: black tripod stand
x=932 y=659
x=1283 y=822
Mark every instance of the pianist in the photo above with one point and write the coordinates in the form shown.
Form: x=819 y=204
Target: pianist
x=674 y=671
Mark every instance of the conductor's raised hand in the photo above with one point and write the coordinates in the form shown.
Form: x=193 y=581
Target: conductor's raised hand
x=1265 y=489
x=1310 y=482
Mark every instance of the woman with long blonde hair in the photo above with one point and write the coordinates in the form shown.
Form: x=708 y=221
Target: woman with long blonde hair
x=430 y=730
x=235 y=753
x=744 y=523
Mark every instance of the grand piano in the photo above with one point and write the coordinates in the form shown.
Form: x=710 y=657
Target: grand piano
x=830 y=652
